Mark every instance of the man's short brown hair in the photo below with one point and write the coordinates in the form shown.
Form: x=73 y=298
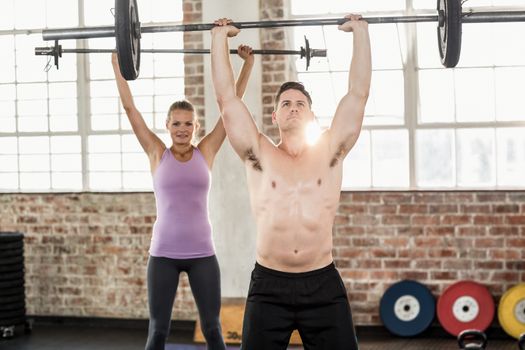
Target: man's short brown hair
x=295 y=85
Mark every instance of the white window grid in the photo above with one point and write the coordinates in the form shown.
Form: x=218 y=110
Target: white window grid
x=359 y=175
x=32 y=158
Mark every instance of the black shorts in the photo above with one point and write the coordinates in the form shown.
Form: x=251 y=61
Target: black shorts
x=314 y=303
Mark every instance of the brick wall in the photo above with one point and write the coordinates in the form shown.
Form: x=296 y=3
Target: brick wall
x=86 y=254
x=276 y=69
x=194 y=64
x=436 y=238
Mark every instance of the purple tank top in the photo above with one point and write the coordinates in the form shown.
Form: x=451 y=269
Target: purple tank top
x=182 y=229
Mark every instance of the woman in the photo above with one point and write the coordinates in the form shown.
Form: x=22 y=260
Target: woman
x=182 y=239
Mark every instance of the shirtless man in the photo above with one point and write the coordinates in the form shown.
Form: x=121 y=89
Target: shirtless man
x=294 y=190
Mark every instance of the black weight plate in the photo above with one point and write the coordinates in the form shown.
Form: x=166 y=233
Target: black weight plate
x=12 y=276
x=12 y=306
x=11 y=268
x=11 y=245
x=10 y=237
x=11 y=252
x=11 y=260
x=12 y=291
x=5 y=315
x=127 y=35
x=12 y=283
x=449 y=31
x=12 y=299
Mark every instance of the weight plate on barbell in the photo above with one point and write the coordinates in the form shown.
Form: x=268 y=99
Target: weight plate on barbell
x=465 y=305
x=407 y=308
x=127 y=35
x=449 y=31
x=511 y=311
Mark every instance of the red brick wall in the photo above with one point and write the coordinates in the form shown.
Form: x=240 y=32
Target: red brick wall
x=276 y=69
x=194 y=64
x=436 y=238
x=86 y=254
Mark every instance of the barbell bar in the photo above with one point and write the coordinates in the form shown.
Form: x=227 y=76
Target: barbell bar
x=128 y=31
x=305 y=52
x=109 y=31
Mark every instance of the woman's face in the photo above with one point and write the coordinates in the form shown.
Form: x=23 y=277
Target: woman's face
x=182 y=126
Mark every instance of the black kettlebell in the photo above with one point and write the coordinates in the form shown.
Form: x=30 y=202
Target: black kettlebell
x=472 y=339
x=521 y=342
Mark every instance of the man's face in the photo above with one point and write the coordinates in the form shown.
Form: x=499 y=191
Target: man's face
x=293 y=111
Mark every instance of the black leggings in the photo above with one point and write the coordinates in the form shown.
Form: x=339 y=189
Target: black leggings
x=163 y=279
x=314 y=303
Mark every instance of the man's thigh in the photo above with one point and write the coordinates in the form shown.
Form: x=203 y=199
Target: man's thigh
x=327 y=327
x=266 y=326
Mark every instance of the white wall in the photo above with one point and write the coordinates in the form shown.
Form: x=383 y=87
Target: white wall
x=230 y=211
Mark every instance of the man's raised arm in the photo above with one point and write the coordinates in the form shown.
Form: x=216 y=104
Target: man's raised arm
x=348 y=118
x=238 y=122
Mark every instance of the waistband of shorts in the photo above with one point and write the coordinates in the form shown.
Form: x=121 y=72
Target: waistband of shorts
x=327 y=268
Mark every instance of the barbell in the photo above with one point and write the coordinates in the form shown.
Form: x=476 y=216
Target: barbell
x=127 y=29
x=305 y=52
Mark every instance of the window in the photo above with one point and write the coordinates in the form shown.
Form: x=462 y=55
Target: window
x=425 y=127
x=65 y=130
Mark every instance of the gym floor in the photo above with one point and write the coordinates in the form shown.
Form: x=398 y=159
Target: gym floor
x=62 y=337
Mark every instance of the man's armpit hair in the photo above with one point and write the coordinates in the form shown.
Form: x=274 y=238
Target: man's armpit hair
x=339 y=154
x=252 y=158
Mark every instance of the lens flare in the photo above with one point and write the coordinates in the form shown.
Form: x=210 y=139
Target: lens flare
x=313 y=131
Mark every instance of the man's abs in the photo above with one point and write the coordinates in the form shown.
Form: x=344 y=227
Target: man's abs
x=299 y=249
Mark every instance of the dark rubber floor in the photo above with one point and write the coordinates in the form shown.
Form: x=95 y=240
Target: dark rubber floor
x=63 y=336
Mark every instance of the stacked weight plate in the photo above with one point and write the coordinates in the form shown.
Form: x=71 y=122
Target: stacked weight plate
x=511 y=312
x=407 y=308
x=12 y=293
x=465 y=305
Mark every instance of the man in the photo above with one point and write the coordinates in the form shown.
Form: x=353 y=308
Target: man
x=294 y=190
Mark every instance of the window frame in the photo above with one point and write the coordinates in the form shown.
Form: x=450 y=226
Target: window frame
x=411 y=123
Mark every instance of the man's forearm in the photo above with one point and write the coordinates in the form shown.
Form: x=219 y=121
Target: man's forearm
x=222 y=72
x=361 y=66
